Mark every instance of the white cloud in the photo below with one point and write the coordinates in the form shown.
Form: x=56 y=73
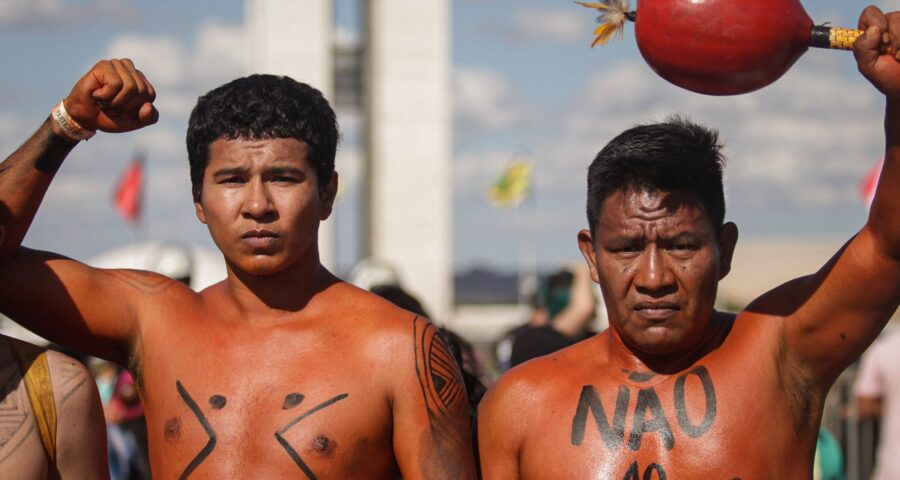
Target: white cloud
x=221 y=54
x=218 y=55
x=147 y=52
x=484 y=98
x=59 y=13
x=796 y=130
x=566 y=25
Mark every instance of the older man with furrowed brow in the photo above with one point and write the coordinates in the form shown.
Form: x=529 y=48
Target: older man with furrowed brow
x=675 y=389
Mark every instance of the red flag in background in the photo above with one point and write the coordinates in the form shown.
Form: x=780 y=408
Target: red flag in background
x=129 y=191
x=869 y=182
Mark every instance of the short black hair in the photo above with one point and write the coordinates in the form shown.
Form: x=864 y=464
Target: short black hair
x=263 y=107
x=673 y=155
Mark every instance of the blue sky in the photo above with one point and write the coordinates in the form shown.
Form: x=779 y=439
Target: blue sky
x=524 y=79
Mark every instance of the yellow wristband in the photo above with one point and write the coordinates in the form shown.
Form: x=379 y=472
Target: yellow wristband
x=70 y=128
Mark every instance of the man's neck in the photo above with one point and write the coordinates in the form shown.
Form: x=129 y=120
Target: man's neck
x=263 y=297
x=634 y=360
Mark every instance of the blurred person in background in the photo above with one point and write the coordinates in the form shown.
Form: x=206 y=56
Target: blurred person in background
x=51 y=421
x=877 y=392
x=127 y=430
x=561 y=315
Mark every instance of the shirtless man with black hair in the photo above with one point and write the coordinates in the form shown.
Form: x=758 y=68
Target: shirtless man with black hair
x=281 y=370
x=674 y=389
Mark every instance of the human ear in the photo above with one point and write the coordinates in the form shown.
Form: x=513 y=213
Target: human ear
x=198 y=210
x=728 y=236
x=586 y=245
x=327 y=195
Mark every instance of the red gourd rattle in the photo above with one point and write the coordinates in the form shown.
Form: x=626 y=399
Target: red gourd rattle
x=720 y=47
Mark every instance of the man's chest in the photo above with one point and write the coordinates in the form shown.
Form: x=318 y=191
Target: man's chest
x=244 y=410
x=699 y=423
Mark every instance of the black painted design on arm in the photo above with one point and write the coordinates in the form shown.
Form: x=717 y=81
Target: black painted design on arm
x=709 y=392
x=613 y=435
x=648 y=401
x=279 y=435
x=445 y=445
x=438 y=376
x=210 y=445
x=56 y=149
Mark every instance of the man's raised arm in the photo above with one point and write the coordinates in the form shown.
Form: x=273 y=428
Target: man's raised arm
x=833 y=315
x=44 y=292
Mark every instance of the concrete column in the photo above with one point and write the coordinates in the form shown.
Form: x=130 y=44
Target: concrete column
x=410 y=133
x=296 y=38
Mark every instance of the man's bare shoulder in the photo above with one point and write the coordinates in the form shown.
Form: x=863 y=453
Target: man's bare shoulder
x=540 y=379
x=367 y=310
x=68 y=374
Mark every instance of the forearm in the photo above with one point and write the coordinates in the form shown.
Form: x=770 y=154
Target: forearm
x=24 y=178
x=575 y=318
x=884 y=216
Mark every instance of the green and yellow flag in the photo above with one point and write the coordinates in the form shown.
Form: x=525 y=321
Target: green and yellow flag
x=513 y=186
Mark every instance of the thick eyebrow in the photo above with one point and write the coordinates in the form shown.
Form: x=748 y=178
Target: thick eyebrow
x=283 y=170
x=227 y=172
x=616 y=241
x=683 y=236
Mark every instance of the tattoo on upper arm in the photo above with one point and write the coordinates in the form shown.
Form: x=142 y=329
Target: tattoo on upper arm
x=210 y=445
x=437 y=371
x=291 y=401
x=445 y=402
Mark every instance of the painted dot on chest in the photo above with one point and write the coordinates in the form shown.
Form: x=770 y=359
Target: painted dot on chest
x=217 y=402
x=291 y=400
x=172 y=429
x=322 y=445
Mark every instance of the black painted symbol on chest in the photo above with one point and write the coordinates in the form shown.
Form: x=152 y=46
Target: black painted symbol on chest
x=210 y=445
x=217 y=402
x=291 y=400
x=321 y=443
x=649 y=416
x=632 y=473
